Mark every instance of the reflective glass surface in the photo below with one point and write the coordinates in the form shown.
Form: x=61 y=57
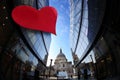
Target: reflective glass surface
x=40 y=41
x=85 y=21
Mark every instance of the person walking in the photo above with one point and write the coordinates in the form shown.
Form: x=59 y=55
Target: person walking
x=36 y=74
x=85 y=74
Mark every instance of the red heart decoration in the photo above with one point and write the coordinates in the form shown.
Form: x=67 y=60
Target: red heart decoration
x=43 y=19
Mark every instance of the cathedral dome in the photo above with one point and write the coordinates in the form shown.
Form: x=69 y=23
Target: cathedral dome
x=60 y=57
x=61 y=54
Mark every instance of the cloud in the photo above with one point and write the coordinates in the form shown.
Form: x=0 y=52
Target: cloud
x=63 y=31
x=51 y=56
x=53 y=52
x=62 y=7
x=62 y=25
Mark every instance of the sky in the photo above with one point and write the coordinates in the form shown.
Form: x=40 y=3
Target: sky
x=61 y=40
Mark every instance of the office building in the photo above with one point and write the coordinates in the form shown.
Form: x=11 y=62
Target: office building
x=22 y=51
x=91 y=26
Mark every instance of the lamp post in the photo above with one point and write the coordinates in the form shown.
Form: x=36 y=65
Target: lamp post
x=91 y=58
x=50 y=67
x=92 y=62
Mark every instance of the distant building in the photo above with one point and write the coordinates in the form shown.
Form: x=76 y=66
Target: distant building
x=62 y=66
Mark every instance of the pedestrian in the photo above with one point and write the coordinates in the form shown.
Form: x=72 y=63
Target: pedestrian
x=85 y=74
x=36 y=74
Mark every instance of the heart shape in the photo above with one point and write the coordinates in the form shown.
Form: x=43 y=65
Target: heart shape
x=30 y=18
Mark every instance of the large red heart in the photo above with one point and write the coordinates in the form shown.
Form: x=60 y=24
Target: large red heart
x=43 y=19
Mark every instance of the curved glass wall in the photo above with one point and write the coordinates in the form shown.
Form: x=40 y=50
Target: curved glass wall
x=39 y=41
x=85 y=21
x=21 y=51
x=17 y=58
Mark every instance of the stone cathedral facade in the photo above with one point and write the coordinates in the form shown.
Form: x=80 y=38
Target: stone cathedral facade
x=61 y=65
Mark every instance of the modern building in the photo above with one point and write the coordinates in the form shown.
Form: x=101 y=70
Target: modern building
x=63 y=68
x=93 y=33
x=21 y=50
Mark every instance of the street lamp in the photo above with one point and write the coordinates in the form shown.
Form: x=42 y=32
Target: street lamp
x=50 y=67
x=91 y=58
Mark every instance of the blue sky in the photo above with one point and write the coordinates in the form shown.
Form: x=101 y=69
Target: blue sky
x=61 y=40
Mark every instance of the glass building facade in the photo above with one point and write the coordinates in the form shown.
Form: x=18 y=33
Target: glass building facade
x=22 y=50
x=91 y=33
x=39 y=41
x=85 y=21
